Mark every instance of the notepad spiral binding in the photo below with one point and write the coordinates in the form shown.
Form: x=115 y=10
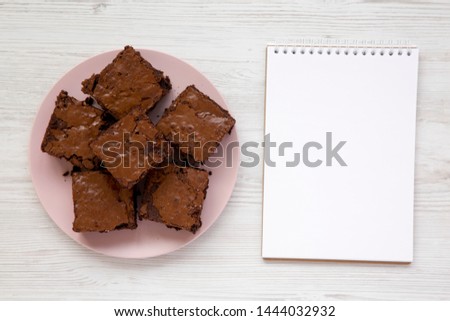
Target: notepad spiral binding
x=344 y=48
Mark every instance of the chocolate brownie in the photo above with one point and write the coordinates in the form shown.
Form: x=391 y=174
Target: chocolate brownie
x=174 y=196
x=72 y=127
x=100 y=204
x=130 y=147
x=128 y=81
x=195 y=123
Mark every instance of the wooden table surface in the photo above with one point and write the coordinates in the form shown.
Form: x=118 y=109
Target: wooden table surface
x=225 y=40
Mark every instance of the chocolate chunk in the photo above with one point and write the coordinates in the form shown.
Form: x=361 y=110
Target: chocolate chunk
x=73 y=126
x=195 y=123
x=128 y=81
x=174 y=196
x=100 y=204
x=130 y=148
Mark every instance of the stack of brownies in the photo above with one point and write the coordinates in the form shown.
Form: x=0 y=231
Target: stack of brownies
x=117 y=152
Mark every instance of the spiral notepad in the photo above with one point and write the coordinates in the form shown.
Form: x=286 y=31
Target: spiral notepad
x=339 y=152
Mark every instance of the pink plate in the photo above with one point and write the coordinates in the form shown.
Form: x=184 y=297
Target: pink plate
x=149 y=239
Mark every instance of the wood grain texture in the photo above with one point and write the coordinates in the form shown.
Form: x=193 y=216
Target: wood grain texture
x=225 y=40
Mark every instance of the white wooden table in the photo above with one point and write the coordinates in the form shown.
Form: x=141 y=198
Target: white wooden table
x=40 y=41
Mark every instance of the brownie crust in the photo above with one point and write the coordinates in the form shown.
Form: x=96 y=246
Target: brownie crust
x=195 y=123
x=128 y=81
x=73 y=126
x=130 y=148
x=174 y=196
x=100 y=204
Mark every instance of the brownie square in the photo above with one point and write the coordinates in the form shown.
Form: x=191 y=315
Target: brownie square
x=100 y=203
x=72 y=127
x=128 y=81
x=195 y=123
x=174 y=196
x=130 y=147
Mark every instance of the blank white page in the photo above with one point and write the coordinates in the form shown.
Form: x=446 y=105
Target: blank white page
x=366 y=99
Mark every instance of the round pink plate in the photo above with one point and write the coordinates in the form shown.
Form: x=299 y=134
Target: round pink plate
x=149 y=239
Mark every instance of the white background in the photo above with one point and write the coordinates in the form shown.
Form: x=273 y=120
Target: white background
x=40 y=41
